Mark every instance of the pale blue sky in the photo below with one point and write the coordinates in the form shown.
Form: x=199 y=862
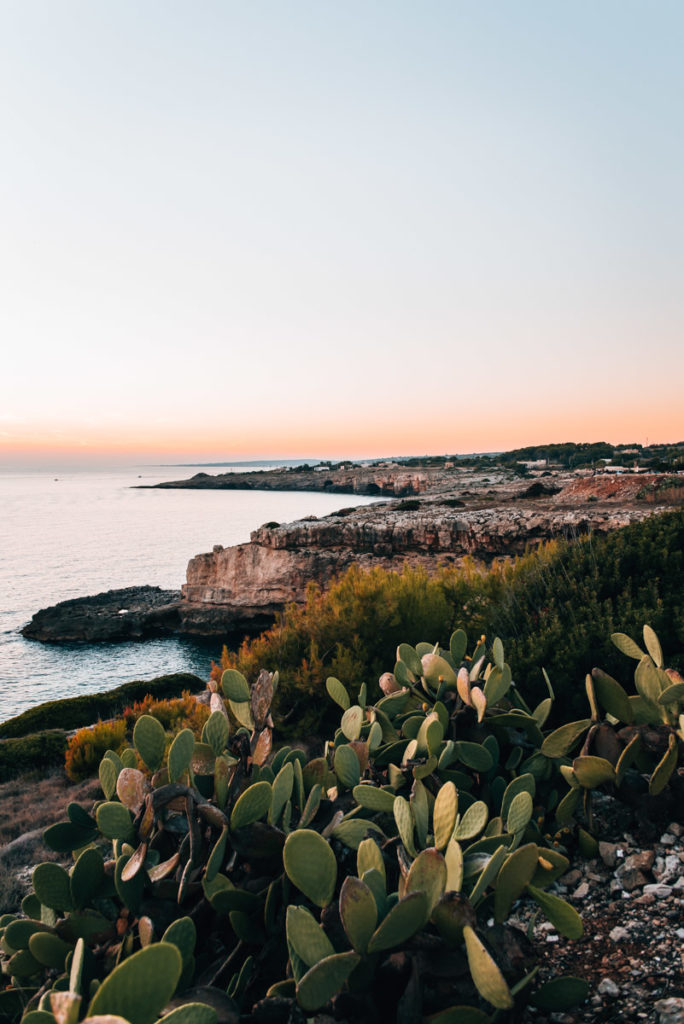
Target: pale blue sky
x=327 y=228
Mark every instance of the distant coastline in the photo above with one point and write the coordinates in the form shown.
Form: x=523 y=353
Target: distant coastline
x=438 y=514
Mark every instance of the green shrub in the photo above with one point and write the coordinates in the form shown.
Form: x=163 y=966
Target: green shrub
x=90 y=743
x=37 y=752
x=350 y=631
x=560 y=612
x=73 y=712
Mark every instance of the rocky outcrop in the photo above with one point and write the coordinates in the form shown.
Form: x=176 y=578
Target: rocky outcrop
x=390 y=481
x=133 y=613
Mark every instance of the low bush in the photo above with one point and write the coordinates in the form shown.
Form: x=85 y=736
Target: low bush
x=87 y=747
x=73 y=712
x=559 y=612
x=350 y=631
x=182 y=712
x=38 y=752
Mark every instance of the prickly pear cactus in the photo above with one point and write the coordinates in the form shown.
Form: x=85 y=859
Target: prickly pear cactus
x=225 y=881
x=632 y=744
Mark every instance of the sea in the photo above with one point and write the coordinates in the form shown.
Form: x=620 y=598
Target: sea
x=76 y=533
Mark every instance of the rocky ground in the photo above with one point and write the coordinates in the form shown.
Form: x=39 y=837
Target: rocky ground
x=631 y=899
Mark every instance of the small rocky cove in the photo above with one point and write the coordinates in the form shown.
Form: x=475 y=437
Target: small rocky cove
x=452 y=513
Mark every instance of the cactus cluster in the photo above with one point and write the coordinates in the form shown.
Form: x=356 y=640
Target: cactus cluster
x=374 y=881
x=632 y=744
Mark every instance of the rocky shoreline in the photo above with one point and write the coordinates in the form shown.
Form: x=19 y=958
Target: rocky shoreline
x=133 y=613
x=230 y=592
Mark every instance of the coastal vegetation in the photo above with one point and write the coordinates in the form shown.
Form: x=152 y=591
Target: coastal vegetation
x=571 y=455
x=371 y=879
x=553 y=608
x=38 y=738
x=87 y=746
x=72 y=712
x=38 y=751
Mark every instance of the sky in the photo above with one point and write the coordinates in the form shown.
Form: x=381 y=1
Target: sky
x=281 y=228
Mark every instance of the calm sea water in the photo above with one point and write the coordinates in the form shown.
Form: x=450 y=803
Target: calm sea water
x=70 y=534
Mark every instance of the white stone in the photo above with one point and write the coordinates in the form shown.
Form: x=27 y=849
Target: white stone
x=658 y=890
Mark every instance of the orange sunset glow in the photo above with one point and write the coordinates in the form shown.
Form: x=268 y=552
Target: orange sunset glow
x=436 y=246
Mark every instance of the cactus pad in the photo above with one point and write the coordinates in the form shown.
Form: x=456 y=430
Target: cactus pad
x=428 y=874
x=519 y=812
x=404 y=919
x=321 y=982
x=114 y=822
x=107 y=774
x=561 y=914
x=51 y=885
x=182 y=934
x=251 y=805
x=358 y=912
x=235 y=686
x=217 y=731
x=444 y=814
x=351 y=723
x=310 y=865
x=131 y=788
x=306 y=936
x=180 y=754
x=488 y=979
x=149 y=739
x=49 y=950
x=140 y=986
x=347 y=767
x=473 y=821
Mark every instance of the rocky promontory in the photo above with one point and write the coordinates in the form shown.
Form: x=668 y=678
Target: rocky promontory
x=133 y=613
x=239 y=589
x=388 y=480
